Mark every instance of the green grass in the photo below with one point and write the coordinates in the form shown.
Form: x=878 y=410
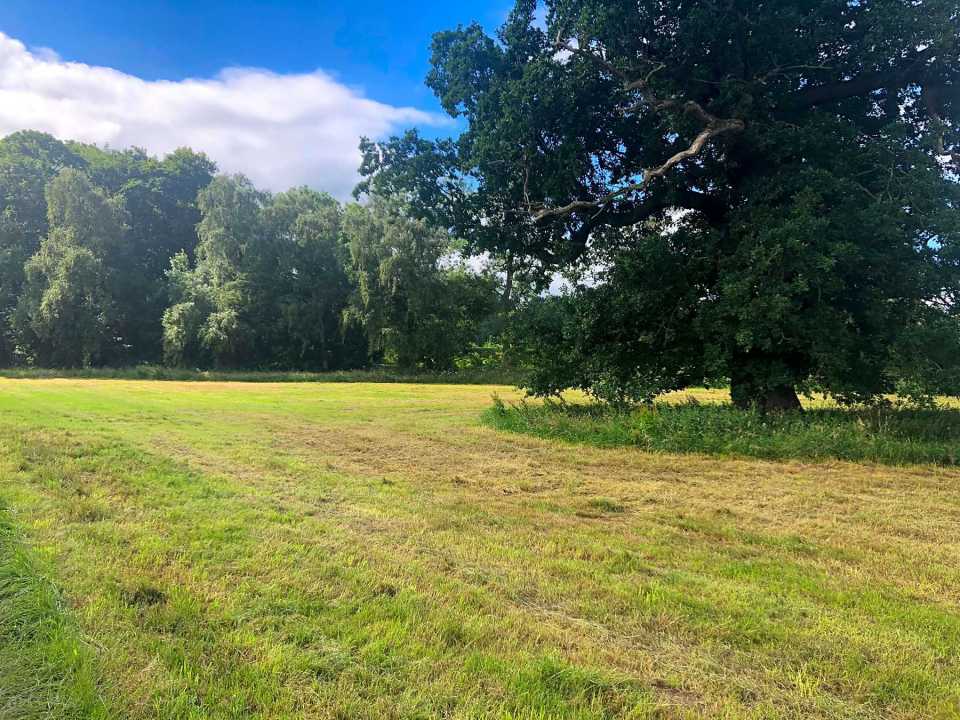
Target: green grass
x=464 y=376
x=45 y=669
x=307 y=550
x=894 y=436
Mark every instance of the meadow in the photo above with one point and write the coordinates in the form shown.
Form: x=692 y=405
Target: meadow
x=330 y=550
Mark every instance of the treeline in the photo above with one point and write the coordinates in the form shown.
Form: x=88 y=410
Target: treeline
x=111 y=258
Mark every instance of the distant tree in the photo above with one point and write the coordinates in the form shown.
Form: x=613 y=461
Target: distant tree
x=15 y=249
x=269 y=286
x=116 y=257
x=761 y=191
x=434 y=179
x=311 y=288
x=419 y=308
x=210 y=304
x=42 y=150
x=161 y=202
x=28 y=161
x=191 y=303
x=160 y=197
x=66 y=315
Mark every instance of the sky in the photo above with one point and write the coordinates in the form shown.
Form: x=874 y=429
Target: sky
x=279 y=90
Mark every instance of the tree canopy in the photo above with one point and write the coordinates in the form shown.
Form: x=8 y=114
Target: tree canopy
x=116 y=257
x=764 y=192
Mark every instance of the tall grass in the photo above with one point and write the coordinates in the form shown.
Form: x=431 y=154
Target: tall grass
x=477 y=376
x=893 y=436
x=45 y=669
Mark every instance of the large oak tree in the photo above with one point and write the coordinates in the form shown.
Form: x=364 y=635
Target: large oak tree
x=763 y=191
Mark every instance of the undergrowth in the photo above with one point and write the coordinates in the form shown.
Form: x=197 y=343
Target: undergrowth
x=888 y=435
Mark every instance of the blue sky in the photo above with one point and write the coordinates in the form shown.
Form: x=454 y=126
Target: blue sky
x=382 y=46
x=97 y=52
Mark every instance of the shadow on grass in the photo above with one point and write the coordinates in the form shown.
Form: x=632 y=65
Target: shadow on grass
x=892 y=436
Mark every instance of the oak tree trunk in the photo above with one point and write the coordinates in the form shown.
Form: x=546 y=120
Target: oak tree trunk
x=780 y=399
x=750 y=389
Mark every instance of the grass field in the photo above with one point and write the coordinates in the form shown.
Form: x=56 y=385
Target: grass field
x=230 y=550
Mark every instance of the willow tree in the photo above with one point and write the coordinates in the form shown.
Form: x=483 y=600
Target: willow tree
x=762 y=191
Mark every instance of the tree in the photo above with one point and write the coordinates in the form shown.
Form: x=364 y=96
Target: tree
x=311 y=288
x=160 y=200
x=418 y=307
x=208 y=319
x=66 y=315
x=28 y=161
x=269 y=287
x=763 y=191
x=15 y=249
x=157 y=199
x=433 y=179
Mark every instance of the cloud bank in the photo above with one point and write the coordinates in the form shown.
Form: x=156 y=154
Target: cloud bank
x=280 y=130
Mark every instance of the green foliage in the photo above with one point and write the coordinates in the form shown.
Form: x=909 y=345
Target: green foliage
x=419 y=308
x=119 y=258
x=160 y=200
x=763 y=193
x=207 y=320
x=28 y=161
x=94 y=229
x=269 y=286
x=888 y=435
x=422 y=173
x=67 y=313
x=468 y=375
x=313 y=287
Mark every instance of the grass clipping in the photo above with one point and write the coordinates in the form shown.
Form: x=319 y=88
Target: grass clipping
x=46 y=668
x=885 y=435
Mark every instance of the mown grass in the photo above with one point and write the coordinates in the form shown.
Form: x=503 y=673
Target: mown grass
x=235 y=550
x=463 y=376
x=889 y=435
x=45 y=668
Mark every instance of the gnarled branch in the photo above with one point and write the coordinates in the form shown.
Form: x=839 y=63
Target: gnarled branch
x=714 y=127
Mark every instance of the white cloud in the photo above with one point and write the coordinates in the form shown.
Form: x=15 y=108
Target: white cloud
x=280 y=130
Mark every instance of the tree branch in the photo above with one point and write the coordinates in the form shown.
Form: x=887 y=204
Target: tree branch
x=912 y=71
x=714 y=127
x=933 y=103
